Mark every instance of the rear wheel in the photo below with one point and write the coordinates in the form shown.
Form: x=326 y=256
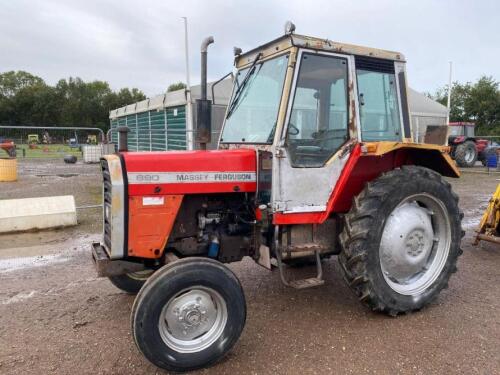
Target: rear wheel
x=401 y=240
x=132 y=282
x=466 y=154
x=189 y=314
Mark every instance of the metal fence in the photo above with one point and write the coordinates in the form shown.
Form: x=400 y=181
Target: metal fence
x=47 y=142
x=53 y=161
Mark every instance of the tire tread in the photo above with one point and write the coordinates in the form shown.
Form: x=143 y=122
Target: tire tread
x=354 y=255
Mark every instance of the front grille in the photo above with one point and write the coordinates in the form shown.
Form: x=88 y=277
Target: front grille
x=106 y=183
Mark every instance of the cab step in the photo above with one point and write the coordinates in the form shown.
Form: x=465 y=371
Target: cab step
x=306 y=283
x=300 y=283
x=304 y=247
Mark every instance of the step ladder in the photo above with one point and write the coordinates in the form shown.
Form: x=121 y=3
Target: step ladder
x=298 y=283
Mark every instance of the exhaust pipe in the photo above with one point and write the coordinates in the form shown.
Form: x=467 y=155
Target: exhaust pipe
x=203 y=105
x=204 y=47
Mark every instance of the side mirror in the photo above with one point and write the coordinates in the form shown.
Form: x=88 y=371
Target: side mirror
x=203 y=122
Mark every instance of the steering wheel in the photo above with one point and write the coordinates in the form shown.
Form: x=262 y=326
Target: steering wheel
x=292 y=129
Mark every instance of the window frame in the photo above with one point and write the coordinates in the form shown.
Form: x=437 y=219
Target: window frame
x=397 y=68
x=291 y=98
x=234 y=88
x=404 y=100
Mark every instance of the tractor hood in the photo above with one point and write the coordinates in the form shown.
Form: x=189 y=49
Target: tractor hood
x=190 y=172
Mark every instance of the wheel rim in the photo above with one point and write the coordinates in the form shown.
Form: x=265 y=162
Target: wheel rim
x=469 y=155
x=193 y=319
x=415 y=244
x=140 y=275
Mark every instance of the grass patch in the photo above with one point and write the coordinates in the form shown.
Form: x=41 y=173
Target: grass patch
x=47 y=151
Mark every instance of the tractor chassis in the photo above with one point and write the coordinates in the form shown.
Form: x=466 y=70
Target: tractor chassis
x=106 y=267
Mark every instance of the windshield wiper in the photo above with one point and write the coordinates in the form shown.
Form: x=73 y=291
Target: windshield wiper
x=239 y=90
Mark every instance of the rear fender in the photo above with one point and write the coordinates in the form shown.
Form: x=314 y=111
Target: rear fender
x=380 y=157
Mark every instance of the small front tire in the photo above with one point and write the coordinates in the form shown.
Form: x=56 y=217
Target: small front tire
x=131 y=283
x=189 y=314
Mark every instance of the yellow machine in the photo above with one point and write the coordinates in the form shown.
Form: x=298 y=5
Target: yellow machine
x=92 y=139
x=489 y=226
x=33 y=139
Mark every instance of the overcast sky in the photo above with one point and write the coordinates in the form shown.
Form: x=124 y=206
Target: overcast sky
x=141 y=43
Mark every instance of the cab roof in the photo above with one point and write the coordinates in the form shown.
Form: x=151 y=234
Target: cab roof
x=295 y=40
x=462 y=123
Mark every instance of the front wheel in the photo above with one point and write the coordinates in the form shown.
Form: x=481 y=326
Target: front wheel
x=401 y=240
x=189 y=314
x=131 y=282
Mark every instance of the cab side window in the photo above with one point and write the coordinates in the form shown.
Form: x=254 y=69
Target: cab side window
x=317 y=125
x=378 y=100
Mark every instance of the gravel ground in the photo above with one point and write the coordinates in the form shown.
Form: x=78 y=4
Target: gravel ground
x=56 y=317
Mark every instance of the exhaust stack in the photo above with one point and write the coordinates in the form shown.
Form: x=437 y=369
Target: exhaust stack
x=203 y=105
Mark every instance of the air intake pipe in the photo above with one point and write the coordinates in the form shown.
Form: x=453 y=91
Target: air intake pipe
x=203 y=105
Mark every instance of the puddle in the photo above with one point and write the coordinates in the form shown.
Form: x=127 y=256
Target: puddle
x=472 y=222
x=16 y=264
x=20 y=297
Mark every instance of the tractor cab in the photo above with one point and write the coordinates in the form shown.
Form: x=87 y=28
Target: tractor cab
x=461 y=129
x=306 y=104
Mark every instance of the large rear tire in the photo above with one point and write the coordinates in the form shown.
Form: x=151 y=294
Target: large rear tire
x=466 y=154
x=189 y=314
x=401 y=240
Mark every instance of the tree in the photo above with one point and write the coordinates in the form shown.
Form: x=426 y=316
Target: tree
x=478 y=102
x=483 y=106
x=459 y=94
x=26 y=99
x=12 y=82
x=176 y=86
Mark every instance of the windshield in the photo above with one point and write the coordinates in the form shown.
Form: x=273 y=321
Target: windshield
x=456 y=130
x=253 y=111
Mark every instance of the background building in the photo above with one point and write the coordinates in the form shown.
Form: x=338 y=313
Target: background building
x=424 y=111
x=161 y=123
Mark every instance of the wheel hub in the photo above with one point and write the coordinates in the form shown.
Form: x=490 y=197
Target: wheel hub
x=193 y=320
x=415 y=244
x=469 y=156
x=406 y=241
x=190 y=315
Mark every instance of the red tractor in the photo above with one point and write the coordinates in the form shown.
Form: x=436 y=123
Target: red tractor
x=315 y=159
x=466 y=149
x=8 y=146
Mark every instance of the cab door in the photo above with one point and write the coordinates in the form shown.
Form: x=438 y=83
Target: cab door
x=318 y=127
